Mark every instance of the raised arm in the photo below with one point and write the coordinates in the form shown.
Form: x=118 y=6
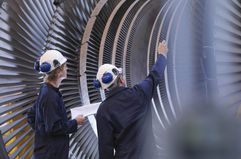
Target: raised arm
x=157 y=73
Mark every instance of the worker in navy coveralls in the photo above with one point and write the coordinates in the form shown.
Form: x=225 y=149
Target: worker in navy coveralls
x=48 y=116
x=124 y=120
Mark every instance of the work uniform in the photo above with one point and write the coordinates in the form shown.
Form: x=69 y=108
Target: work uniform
x=49 y=120
x=124 y=119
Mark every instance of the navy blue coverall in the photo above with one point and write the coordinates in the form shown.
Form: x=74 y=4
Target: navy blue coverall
x=124 y=119
x=49 y=120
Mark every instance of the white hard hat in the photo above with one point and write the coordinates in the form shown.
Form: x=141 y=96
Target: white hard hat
x=106 y=76
x=49 y=61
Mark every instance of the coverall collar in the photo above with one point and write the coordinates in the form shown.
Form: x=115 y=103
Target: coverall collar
x=115 y=91
x=54 y=88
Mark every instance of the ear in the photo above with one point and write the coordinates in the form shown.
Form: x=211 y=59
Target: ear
x=37 y=66
x=122 y=81
x=96 y=83
x=45 y=67
x=107 y=78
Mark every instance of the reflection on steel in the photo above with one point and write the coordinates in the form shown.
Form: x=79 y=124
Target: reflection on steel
x=3 y=153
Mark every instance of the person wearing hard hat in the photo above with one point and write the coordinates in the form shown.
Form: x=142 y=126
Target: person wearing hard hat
x=124 y=117
x=48 y=116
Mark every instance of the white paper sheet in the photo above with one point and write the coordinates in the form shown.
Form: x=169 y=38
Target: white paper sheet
x=88 y=111
x=92 y=121
x=85 y=110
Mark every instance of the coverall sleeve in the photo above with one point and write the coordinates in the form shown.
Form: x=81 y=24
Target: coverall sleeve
x=152 y=80
x=55 y=123
x=31 y=116
x=105 y=138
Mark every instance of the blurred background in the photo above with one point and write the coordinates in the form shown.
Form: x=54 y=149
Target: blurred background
x=204 y=59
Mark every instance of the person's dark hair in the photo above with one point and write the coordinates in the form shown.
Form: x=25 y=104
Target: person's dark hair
x=116 y=83
x=53 y=75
